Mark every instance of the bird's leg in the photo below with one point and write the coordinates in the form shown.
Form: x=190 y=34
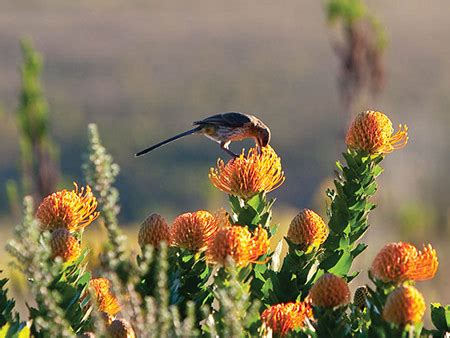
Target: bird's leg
x=224 y=146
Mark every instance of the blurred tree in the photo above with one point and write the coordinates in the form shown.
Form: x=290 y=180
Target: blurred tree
x=38 y=153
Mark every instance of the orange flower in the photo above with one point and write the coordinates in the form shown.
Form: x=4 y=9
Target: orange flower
x=238 y=243
x=106 y=301
x=398 y=262
x=64 y=245
x=154 y=230
x=245 y=176
x=120 y=328
x=405 y=305
x=285 y=317
x=330 y=291
x=193 y=230
x=72 y=210
x=307 y=229
x=372 y=131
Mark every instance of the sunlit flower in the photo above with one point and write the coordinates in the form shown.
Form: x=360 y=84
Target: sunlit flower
x=193 y=230
x=247 y=175
x=285 y=317
x=106 y=301
x=307 y=229
x=398 y=262
x=154 y=230
x=405 y=305
x=330 y=291
x=120 y=328
x=372 y=131
x=360 y=297
x=239 y=244
x=64 y=245
x=72 y=210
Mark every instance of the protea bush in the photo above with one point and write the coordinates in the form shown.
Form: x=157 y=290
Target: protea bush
x=212 y=273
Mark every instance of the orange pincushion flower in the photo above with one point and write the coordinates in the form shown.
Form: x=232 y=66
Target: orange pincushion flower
x=238 y=243
x=120 y=328
x=64 y=245
x=106 y=301
x=193 y=230
x=405 y=305
x=285 y=317
x=330 y=291
x=245 y=176
x=72 y=210
x=398 y=262
x=154 y=230
x=307 y=229
x=372 y=131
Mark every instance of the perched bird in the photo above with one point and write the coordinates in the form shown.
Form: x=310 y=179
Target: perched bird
x=224 y=128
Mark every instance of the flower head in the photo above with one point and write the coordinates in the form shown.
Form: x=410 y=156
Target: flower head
x=405 y=305
x=238 y=243
x=245 y=176
x=307 y=229
x=72 y=210
x=106 y=301
x=360 y=297
x=399 y=262
x=154 y=230
x=120 y=328
x=193 y=230
x=330 y=291
x=372 y=131
x=284 y=317
x=64 y=245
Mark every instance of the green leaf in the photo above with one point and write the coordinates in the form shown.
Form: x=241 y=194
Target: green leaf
x=343 y=265
x=440 y=316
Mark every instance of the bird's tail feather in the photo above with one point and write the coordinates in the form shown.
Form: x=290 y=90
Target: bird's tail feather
x=173 y=138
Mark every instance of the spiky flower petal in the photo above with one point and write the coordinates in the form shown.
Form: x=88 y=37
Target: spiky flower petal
x=72 y=210
x=285 y=317
x=405 y=305
x=372 y=131
x=330 y=291
x=106 y=301
x=239 y=244
x=307 y=229
x=398 y=262
x=247 y=175
x=193 y=230
x=154 y=230
x=64 y=245
x=120 y=328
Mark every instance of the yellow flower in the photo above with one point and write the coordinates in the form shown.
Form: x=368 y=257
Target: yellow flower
x=245 y=176
x=398 y=262
x=193 y=230
x=154 y=230
x=372 y=131
x=307 y=229
x=72 y=210
x=284 y=317
x=120 y=328
x=106 y=301
x=64 y=245
x=405 y=305
x=330 y=291
x=239 y=244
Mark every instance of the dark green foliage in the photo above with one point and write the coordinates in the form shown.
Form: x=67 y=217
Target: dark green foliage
x=440 y=316
x=6 y=305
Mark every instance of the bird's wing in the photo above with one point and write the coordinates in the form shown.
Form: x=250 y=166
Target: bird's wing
x=230 y=119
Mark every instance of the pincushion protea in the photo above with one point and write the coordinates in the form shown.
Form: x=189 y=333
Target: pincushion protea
x=153 y=231
x=330 y=291
x=238 y=243
x=247 y=175
x=307 y=229
x=404 y=305
x=64 y=245
x=398 y=262
x=106 y=301
x=285 y=317
x=72 y=210
x=372 y=131
x=120 y=328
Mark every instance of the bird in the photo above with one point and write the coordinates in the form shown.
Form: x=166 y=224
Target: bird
x=224 y=128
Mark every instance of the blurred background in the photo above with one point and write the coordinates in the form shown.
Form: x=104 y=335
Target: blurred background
x=144 y=70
